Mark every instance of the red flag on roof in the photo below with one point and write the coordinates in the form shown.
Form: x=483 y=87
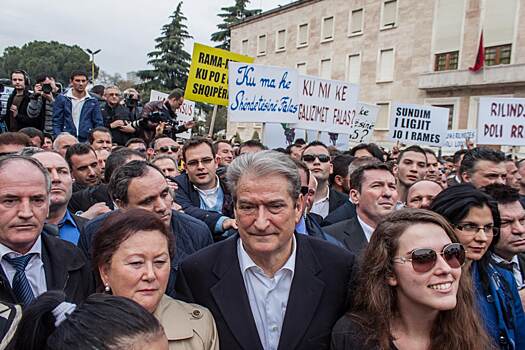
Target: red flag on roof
x=480 y=57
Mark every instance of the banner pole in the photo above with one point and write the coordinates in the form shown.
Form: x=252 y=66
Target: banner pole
x=262 y=133
x=212 y=124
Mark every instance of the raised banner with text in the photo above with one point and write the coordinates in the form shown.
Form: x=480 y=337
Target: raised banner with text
x=185 y=112
x=418 y=124
x=457 y=139
x=208 y=76
x=262 y=94
x=364 y=122
x=501 y=121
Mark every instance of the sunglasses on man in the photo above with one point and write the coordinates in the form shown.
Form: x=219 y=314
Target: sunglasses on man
x=310 y=158
x=165 y=149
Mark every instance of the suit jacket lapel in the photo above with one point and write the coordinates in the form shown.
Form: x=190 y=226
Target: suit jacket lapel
x=305 y=294
x=232 y=299
x=355 y=237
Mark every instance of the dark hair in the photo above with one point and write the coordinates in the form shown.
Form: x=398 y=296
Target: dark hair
x=502 y=194
x=33 y=132
x=42 y=77
x=252 y=143
x=120 y=179
x=158 y=137
x=300 y=142
x=458 y=154
x=103 y=322
x=372 y=148
x=340 y=165
x=474 y=155
x=216 y=144
x=103 y=129
x=411 y=149
x=357 y=177
x=177 y=93
x=430 y=151
x=78 y=149
x=27 y=80
x=375 y=304
x=98 y=89
x=314 y=143
x=118 y=158
x=14 y=138
x=77 y=73
x=117 y=228
x=135 y=140
x=194 y=142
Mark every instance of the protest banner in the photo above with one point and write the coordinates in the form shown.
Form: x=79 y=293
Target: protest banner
x=364 y=122
x=326 y=105
x=185 y=112
x=456 y=139
x=262 y=94
x=418 y=124
x=208 y=76
x=501 y=121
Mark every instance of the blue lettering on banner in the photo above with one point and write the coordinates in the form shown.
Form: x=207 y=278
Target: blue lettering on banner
x=259 y=104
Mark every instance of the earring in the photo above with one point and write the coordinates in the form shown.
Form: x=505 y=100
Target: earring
x=107 y=289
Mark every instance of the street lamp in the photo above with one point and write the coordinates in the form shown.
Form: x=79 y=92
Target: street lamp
x=93 y=53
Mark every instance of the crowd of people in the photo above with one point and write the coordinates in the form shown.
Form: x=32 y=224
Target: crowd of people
x=116 y=234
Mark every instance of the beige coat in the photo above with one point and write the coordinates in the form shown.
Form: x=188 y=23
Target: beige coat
x=187 y=326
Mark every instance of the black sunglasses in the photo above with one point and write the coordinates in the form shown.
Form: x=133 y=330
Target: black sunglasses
x=309 y=158
x=424 y=259
x=165 y=149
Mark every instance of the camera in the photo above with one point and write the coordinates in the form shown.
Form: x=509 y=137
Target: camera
x=46 y=88
x=158 y=117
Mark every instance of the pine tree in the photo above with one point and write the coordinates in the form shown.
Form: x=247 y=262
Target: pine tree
x=170 y=61
x=231 y=15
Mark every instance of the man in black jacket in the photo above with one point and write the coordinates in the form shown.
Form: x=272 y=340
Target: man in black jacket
x=33 y=261
x=117 y=117
x=16 y=117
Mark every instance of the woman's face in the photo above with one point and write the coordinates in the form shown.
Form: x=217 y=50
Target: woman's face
x=434 y=290
x=476 y=241
x=139 y=269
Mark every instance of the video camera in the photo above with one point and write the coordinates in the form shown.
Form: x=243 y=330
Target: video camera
x=159 y=116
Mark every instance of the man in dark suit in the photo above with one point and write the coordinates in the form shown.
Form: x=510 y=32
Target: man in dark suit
x=31 y=260
x=373 y=190
x=267 y=287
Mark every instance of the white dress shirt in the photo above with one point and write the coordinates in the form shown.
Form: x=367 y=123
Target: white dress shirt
x=76 y=106
x=268 y=296
x=322 y=206
x=520 y=283
x=368 y=230
x=35 y=273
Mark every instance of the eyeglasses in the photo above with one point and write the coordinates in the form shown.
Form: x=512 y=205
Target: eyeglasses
x=309 y=158
x=165 y=149
x=424 y=259
x=472 y=229
x=306 y=191
x=195 y=162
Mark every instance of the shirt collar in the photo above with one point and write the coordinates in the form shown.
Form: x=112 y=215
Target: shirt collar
x=68 y=218
x=247 y=263
x=211 y=190
x=69 y=93
x=325 y=198
x=514 y=261
x=367 y=229
x=35 y=249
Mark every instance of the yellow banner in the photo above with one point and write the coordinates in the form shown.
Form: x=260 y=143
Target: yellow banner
x=208 y=77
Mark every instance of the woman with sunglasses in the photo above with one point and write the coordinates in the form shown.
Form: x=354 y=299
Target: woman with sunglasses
x=475 y=217
x=411 y=293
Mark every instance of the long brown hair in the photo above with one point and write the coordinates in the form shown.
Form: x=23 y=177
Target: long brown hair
x=375 y=303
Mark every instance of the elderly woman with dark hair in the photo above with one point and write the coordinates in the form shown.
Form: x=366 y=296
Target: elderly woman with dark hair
x=132 y=252
x=476 y=221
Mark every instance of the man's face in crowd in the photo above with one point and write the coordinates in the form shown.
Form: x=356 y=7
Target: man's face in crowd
x=361 y=153
x=18 y=81
x=24 y=205
x=421 y=194
x=79 y=83
x=36 y=141
x=296 y=151
x=321 y=170
x=167 y=146
x=48 y=144
x=168 y=166
x=513 y=175
x=102 y=140
x=138 y=146
x=512 y=232
x=266 y=214
x=378 y=195
x=412 y=167
x=112 y=96
x=63 y=144
x=201 y=166
x=61 y=180
x=175 y=103
x=102 y=156
x=486 y=172
x=433 y=166
x=85 y=168
x=308 y=200
x=521 y=171
x=150 y=192
x=224 y=153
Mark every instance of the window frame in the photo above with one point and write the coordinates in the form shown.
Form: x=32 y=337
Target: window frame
x=259 y=52
x=396 y=19
x=323 y=39
x=379 y=80
x=347 y=77
x=497 y=59
x=350 y=33
x=448 y=56
x=278 y=49
x=305 y=44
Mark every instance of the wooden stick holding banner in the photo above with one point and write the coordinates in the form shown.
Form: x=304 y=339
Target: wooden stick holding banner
x=212 y=123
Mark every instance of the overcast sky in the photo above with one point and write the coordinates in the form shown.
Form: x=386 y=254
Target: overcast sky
x=124 y=29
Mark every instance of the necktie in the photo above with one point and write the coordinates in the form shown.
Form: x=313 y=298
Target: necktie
x=21 y=286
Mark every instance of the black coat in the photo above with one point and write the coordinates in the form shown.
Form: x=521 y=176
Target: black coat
x=22 y=120
x=343 y=212
x=110 y=114
x=350 y=334
x=65 y=267
x=350 y=233
x=82 y=200
x=336 y=199
x=319 y=293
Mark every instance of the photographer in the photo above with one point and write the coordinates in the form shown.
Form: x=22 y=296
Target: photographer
x=40 y=107
x=116 y=117
x=132 y=102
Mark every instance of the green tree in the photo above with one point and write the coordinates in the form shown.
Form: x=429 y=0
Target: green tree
x=231 y=15
x=171 y=63
x=53 y=58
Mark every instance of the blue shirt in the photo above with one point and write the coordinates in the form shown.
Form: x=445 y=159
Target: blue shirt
x=68 y=230
x=213 y=200
x=301 y=227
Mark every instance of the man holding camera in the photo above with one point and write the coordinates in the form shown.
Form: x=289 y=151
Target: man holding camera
x=116 y=116
x=40 y=107
x=133 y=104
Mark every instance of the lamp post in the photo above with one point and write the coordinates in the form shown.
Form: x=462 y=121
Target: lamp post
x=93 y=53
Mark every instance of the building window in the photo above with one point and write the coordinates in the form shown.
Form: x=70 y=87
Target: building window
x=499 y=21
x=353 y=70
x=280 y=40
x=356 y=22
x=383 y=117
x=244 y=47
x=327 y=29
x=389 y=14
x=325 y=69
x=446 y=61
x=385 y=71
x=261 y=45
x=450 y=114
x=302 y=35
x=498 y=55
x=301 y=67
x=448 y=24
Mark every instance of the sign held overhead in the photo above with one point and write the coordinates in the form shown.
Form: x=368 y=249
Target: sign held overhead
x=418 y=124
x=501 y=121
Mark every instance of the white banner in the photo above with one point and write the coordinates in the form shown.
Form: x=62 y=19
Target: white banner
x=185 y=112
x=326 y=105
x=501 y=121
x=262 y=94
x=457 y=139
x=364 y=122
x=418 y=124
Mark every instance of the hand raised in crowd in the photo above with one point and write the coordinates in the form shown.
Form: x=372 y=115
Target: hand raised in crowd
x=38 y=91
x=228 y=224
x=14 y=110
x=159 y=130
x=117 y=124
x=95 y=210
